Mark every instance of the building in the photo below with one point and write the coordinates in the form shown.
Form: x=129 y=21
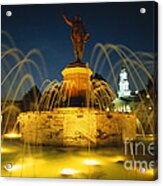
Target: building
x=125 y=102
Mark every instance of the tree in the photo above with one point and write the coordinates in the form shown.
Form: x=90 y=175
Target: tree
x=31 y=98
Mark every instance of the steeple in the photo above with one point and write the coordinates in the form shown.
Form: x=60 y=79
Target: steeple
x=124 y=90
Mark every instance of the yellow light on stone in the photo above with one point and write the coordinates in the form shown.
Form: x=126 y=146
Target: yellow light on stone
x=91 y=162
x=5 y=150
x=68 y=172
x=12 y=136
x=79 y=78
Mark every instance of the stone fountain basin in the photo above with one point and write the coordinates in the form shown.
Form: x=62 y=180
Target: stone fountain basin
x=74 y=126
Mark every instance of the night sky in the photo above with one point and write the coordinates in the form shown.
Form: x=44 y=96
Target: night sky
x=43 y=27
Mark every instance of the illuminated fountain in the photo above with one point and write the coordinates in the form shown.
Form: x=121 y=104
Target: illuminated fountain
x=78 y=111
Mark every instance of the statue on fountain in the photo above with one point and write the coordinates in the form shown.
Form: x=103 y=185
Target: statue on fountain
x=79 y=36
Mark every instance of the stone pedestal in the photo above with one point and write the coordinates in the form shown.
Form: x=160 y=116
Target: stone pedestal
x=77 y=79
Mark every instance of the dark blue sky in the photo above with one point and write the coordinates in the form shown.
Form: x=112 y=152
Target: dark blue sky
x=42 y=27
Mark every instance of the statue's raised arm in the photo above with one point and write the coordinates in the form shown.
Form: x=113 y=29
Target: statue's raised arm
x=78 y=35
x=66 y=19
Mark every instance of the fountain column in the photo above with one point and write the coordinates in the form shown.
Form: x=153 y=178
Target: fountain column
x=77 y=83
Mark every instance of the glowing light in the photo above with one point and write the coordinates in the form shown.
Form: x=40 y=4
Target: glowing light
x=136 y=92
x=12 y=136
x=147 y=96
x=68 y=172
x=107 y=109
x=67 y=71
x=91 y=162
x=5 y=150
x=150 y=172
x=14 y=168
x=150 y=108
x=1 y=117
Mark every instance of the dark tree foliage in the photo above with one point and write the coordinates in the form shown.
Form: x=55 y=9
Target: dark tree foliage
x=31 y=99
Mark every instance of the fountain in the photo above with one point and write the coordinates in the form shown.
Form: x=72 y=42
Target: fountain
x=79 y=111
x=74 y=119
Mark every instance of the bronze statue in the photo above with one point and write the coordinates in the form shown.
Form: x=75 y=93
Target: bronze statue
x=78 y=35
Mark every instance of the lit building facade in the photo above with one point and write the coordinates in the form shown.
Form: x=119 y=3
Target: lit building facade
x=124 y=102
x=123 y=84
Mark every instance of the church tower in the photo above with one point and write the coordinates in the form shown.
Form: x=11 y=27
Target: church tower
x=124 y=90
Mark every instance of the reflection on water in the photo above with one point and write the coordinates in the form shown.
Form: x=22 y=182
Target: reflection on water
x=49 y=161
